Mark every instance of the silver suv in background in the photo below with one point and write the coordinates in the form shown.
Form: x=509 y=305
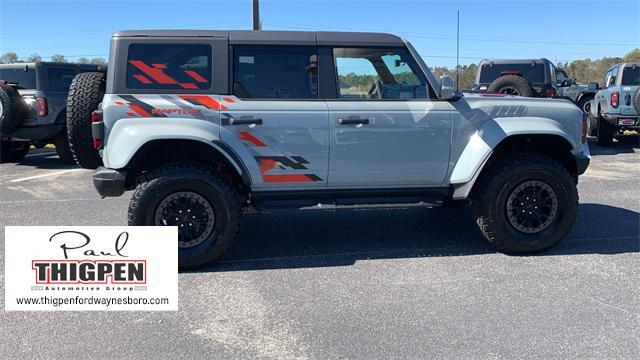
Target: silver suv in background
x=204 y=125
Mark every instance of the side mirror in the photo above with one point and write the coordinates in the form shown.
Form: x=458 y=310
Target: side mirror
x=594 y=86
x=566 y=82
x=447 y=87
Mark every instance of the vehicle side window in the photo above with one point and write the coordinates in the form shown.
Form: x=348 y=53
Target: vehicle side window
x=59 y=78
x=275 y=72
x=169 y=66
x=611 y=77
x=560 y=77
x=631 y=75
x=377 y=74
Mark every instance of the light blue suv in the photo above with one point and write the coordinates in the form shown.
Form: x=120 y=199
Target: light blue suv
x=616 y=107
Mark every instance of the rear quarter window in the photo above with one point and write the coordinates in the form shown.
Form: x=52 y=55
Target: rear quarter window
x=631 y=75
x=26 y=79
x=59 y=78
x=169 y=66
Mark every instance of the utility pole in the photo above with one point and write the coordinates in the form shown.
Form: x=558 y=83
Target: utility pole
x=256 y=15
x=458 y=53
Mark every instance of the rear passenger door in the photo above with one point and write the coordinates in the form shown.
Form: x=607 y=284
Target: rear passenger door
x=385 y=129
x=276 y=113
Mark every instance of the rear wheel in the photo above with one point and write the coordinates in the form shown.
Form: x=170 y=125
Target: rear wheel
x=204 y=207
x=85 y=94
x=13 y=151
x=605 y=132
x=526 y=203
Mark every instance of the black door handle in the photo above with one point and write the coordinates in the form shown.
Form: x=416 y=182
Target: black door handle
x=353 y=121
x=251 y=121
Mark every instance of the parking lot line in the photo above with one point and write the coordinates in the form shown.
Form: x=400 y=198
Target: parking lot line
x=43 y=175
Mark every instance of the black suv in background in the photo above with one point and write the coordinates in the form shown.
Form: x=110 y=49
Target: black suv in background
x=33 y=99
x=532 y=78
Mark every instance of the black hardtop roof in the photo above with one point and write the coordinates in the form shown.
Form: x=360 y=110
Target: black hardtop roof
x=48 y=63
x=267 y=37
x=515 y=61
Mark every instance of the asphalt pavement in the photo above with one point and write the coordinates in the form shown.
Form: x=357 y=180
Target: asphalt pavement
x=373 y=283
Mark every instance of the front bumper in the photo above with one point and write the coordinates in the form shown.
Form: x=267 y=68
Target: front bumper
x=109 y=182
x=583 y=159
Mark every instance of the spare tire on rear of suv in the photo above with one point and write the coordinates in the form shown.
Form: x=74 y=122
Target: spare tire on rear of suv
x=11 y=108
x=636 y=100
x=85 y=94
x=511 y=85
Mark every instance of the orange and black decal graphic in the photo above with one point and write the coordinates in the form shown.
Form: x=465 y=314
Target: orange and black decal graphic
x=157 y=74
x=268 y=163
x=138 y=107
x=203 y=100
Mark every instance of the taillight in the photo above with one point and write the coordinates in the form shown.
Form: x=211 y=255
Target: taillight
x=42 y=109
x=551 y=93
x=615 y=99
x=96 y=117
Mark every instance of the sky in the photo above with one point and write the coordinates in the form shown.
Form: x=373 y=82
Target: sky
x=558 y=30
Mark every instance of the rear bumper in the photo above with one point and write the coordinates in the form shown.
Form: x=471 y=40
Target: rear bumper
x=622 y=121
x=109 y=182
x=583 y=159
x=36 y=133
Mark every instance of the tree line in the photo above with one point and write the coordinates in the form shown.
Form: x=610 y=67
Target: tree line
x=12 y=58
x=583 y=71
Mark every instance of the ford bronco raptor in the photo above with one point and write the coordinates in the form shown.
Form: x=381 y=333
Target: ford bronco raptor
x=616 y=107
x=532 y=78
x=33 y=99
x=206 y=124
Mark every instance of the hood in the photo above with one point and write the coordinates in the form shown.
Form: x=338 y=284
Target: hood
x=503 y=106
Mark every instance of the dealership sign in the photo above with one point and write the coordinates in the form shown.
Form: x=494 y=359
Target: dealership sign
x=91 y=268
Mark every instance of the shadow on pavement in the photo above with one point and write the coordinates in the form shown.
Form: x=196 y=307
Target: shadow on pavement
x=625 y=144
x=303 y=239
x=44 y=159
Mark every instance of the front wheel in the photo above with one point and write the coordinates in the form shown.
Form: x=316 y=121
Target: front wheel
x=204 y=207
x=525 y=203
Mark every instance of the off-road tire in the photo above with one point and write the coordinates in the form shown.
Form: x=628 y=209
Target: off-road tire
x=11 y=108
x=490 y=194
x=13 y=151
x=85 y=94
x=605 y=133
x=636 y=101
x=61 y=142
x=501 y=84
x=199 y=179
x=583 y=102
